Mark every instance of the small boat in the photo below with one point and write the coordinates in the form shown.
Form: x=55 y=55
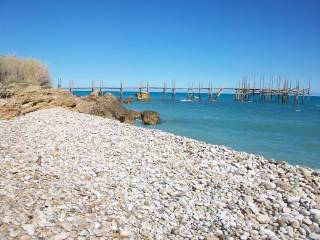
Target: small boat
x=190 y=98
x=143 y=96
x=185 y=100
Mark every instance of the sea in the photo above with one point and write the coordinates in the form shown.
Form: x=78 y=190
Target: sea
x=277 y=131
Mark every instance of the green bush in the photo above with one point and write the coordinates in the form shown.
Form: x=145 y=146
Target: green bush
x=18 y=71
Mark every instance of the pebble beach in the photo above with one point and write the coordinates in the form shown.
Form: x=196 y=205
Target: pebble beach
x=69 y=175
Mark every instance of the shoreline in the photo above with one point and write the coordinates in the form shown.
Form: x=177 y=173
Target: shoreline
x=102 y=178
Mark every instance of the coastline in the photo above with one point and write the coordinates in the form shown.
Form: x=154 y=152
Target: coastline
x=275 y=131
x=67 y=174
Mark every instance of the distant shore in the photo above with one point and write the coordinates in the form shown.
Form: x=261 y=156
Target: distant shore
x=66 y=174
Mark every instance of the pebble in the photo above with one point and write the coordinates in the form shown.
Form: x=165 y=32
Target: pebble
x=302 y=231
x=307 y=221
x=315 y=211
x=29 y=228
x=61 y=236
x=100 y=178
x=316 y=218
x=263 y=219
x=67 y=226
x=306 y=228
x=314 y=236
x=124 y=234
x=295 y=224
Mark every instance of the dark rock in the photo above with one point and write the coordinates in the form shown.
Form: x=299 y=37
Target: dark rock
x=150 y=117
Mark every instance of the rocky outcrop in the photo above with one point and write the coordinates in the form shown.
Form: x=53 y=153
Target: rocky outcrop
x=150 y=117
x=25 y=100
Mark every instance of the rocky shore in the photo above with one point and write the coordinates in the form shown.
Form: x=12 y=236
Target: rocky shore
x=69 y=175
x=17 y=101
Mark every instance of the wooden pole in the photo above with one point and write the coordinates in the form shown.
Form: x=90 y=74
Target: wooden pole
x=209 y=91
x=254 y=87
x=164 y=88
x=121 y=91
x=101 y=86
x=71 y=86
x=302 y=100
x=309 y=100
x=296 y=94
x=93 y=85
x=192 y=95
x=173 y=89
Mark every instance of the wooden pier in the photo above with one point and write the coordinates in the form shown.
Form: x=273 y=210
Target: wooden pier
x=245 y=91
x=282 y=92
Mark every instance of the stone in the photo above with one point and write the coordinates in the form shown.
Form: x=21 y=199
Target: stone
x=124 y=234
x=129 y=116
x=295 y=224
x=14 y=234
x=292 y=199
x=99 y=232
x=263 y=219
x=302 y=231
x=99 y=178
x=150 y=117
x=67 y=226
x=316 y=218
x=315 y=211
x=307 y=221
x=314 y=236
x=314 y=227
x=306 y=228
x=29 y=228
x=61 y=236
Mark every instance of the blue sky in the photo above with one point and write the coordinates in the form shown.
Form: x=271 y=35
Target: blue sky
x=140 y=41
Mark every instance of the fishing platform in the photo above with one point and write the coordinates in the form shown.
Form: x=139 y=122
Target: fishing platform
x=245 y=91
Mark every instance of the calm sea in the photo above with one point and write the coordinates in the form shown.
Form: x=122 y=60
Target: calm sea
x=276 y=131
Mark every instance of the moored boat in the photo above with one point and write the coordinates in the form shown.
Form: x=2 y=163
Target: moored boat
x=143 y=96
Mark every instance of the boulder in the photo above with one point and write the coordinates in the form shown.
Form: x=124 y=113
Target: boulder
x=68 y=102
x=105 y=106
x=150 y=117
x=134 y=114
x=129 y=116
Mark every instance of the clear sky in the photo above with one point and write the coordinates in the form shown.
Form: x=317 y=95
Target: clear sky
x=188 y=40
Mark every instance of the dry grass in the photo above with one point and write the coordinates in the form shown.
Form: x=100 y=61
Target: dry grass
x=18 y=71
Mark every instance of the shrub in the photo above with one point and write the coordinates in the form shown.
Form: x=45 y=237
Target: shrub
x=17 y=71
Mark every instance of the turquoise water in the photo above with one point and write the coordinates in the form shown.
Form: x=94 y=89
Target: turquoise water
x=276 y=131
